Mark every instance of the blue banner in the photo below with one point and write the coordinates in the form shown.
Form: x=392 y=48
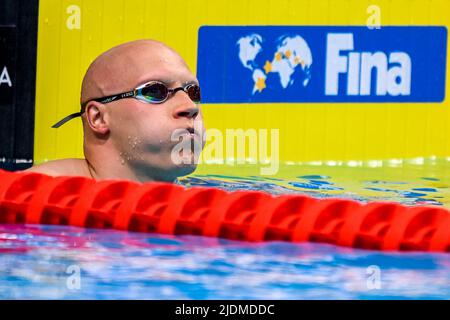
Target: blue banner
x=244 y=64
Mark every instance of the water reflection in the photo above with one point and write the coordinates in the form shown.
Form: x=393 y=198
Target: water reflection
x=126 y=265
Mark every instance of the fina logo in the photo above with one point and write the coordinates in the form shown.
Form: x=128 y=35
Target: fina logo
x=302 y=64
x=291 y=54
x=392 y=80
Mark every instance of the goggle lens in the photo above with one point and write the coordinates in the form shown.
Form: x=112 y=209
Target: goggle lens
x=193 y=92
x=156 y=92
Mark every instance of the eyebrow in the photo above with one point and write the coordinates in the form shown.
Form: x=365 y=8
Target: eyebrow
x=191 y=82
x=169 y=82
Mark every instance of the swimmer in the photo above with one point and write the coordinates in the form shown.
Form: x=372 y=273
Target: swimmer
x=133 y=98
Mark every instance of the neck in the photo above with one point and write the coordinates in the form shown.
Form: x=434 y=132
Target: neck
x=111 y=166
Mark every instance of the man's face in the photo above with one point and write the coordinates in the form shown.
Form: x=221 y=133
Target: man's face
x=142 y=132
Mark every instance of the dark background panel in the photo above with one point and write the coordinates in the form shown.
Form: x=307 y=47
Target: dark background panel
x=18 y=46
x=8 y=36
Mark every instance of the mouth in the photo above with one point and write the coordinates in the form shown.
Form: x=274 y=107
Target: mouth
x=189 y=145
x=192 y=133
x=189 y=135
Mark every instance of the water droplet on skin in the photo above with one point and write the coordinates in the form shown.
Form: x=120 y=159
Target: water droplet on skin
x=134 y=143
x=121 y=156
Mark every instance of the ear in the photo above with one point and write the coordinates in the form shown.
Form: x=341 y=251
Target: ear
x=96 y=117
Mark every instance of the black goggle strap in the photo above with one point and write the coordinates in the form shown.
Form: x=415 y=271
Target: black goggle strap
x=112 y=98
x=107 y=99
x=68 y=118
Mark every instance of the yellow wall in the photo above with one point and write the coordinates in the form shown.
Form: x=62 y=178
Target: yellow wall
x=307 y=132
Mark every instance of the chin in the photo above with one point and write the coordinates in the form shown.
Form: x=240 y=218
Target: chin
x=185 y=169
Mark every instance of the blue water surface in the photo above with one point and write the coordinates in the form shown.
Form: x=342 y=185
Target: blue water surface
x=43 y=262
x=55 y=262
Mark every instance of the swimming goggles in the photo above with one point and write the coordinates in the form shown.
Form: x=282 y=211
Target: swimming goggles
x=152 y=92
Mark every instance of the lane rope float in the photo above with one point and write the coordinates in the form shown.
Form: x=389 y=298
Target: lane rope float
x=33 y=198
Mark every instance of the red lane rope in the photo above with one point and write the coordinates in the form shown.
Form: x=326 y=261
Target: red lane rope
x=27 y=197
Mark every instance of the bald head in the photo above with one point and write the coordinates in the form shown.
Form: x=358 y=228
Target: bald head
x=131 y=136
x=120 y=68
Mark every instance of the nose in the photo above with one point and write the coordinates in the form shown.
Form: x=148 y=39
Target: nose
x=185 y=107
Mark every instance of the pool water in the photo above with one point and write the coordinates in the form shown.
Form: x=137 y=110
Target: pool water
x=54 y=262
x=420 y=181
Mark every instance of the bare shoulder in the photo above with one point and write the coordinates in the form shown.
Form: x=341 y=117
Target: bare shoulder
x=63 y=167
